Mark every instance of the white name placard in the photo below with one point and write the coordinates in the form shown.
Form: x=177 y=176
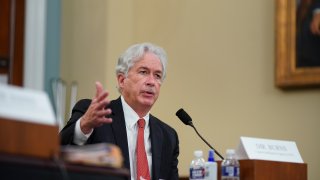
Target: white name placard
x=26 y=105
x=268 y=149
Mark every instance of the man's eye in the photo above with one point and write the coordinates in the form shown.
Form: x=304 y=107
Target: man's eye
x=158 y=76
x=142 y=72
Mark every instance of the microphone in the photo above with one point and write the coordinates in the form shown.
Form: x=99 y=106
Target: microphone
x=186 y=119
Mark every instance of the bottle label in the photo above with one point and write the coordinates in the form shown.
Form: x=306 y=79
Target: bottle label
x=230 y=171
x=211 y=171
x=197 y=173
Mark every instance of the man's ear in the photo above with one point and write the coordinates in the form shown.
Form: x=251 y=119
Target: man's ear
x=121 y=77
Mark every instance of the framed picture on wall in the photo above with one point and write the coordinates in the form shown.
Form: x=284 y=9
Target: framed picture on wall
x=297 y=46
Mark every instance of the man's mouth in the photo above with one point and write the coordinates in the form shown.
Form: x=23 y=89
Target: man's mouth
x=148 y=92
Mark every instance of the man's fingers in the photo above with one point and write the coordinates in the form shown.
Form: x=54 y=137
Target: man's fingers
x=99 y=89
x=100 y=105
x=96 y=113
x=102 y=96
x=103 y=112
x=105 y=120
x=102 y=121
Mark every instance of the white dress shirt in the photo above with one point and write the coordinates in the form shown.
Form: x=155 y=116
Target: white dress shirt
x=131 y=119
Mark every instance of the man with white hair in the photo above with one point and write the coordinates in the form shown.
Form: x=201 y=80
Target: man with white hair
x=149 y=146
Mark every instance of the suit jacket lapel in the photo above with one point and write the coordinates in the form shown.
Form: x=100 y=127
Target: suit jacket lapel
x=119 y=130
x=120 y=135
x=156 y=146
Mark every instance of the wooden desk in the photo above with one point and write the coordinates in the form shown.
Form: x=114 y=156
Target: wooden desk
x=21 y=167
x=268 y=170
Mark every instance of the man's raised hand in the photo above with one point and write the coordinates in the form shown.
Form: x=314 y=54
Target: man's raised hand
x=97 y=112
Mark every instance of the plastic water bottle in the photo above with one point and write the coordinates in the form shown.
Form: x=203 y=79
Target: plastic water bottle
x=211 y=167
x=230 y=167
x=197 y=167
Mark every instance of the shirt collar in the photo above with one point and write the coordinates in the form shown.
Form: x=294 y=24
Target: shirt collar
x=130 y=116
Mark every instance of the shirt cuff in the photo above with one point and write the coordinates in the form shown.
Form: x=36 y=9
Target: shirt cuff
x=79 y=137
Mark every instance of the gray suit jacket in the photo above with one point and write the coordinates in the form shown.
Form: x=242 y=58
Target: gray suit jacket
x=164 y=139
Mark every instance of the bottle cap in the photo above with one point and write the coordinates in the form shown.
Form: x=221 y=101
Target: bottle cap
x=230 y=151
x=198 y=153
x=211 y=156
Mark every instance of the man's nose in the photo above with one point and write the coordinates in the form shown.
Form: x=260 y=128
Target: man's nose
x=151 y=80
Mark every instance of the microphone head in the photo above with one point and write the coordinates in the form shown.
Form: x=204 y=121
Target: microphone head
x=184 y=117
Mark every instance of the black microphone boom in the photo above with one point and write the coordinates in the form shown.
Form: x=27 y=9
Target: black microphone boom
x=186 y=119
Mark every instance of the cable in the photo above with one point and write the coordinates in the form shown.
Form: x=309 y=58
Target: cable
x=61 y=167
x=191 y=124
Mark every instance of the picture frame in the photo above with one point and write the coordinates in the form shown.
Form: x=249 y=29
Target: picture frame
x=287 y=74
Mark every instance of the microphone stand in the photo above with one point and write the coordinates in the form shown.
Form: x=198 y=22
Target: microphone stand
x=191 y=124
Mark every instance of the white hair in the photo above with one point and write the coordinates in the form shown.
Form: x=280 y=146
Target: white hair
x=135 y=52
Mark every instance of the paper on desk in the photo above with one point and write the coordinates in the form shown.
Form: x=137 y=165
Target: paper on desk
x=26 y=105
x=101 y=154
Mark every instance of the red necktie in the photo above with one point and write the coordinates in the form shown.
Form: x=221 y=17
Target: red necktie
x=142 y=162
